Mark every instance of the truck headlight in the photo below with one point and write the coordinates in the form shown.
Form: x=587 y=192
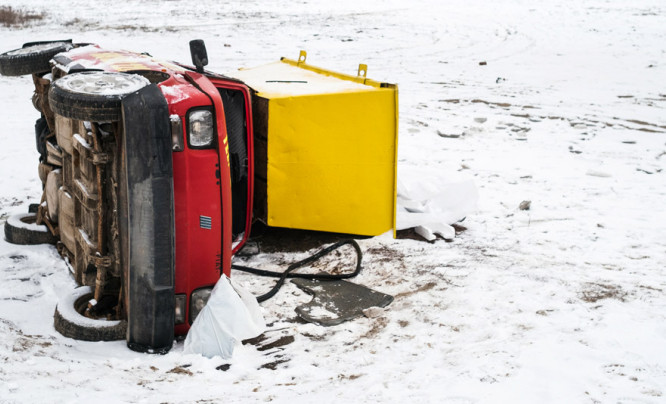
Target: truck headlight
x=198 y=300
x=200 y=128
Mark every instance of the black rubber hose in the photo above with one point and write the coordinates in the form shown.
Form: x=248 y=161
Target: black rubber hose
x=288 y=273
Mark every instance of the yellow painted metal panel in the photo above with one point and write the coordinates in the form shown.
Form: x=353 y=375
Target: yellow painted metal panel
x=330 y=142
x=282 y=79
x=360 y=78
x=331 y=162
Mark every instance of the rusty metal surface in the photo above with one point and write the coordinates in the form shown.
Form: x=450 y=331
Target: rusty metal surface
x=88 y=233
x=41 y=100
x=86 y=225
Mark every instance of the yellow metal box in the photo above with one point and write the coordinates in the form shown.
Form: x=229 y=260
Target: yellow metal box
x=325 y=148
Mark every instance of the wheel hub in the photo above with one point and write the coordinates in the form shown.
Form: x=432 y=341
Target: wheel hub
x=103 y=83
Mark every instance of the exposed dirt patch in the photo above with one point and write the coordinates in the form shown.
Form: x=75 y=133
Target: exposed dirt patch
x=265 y=342
x=349 y=377
x=27 y=342
x=13 y=17
x=314 y=337
x=381 y=254
x=420 y=289
x=594 y=292
x=277 y=239
x=377 y=327
x=274 y=365
x=179 y=370
x=410 y=234
x=224 y=367
x=96 y=25
x=491 y=104
x=272 y=348
x=280 y=342
x=256 y=340
x=141 y=28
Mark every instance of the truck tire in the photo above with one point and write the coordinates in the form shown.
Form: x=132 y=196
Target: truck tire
x=93 y=95
x=31 y=59
x=21 y=229
x=69 y=321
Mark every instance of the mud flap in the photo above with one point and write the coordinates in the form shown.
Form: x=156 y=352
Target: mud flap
x=147 y=221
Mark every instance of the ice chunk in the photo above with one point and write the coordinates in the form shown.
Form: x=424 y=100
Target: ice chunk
x=430 y=202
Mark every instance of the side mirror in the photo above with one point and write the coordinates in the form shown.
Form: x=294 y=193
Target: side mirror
x=199 y=54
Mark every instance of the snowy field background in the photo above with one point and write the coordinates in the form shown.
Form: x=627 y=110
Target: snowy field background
x=563 y=303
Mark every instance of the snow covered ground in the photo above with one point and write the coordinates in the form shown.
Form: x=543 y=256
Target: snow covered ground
x=564 y=302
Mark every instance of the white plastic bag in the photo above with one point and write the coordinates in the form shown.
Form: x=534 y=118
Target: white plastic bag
x=231 y=315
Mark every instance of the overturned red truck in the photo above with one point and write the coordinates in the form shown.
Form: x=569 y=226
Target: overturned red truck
x=154 y=171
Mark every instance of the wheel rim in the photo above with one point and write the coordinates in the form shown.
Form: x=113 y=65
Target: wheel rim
x=102 y=83
x=81 y=304
x=81 y=307
x=36 y=48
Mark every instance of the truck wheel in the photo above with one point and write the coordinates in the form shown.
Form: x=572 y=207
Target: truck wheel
x=93 y=95
x=22 y=229
x=31 y=59
x=69 y=321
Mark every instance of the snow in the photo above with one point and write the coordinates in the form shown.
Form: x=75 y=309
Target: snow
x=83 y=142
x=175 y=94
x=17 y=222
x=429 y=201
x=279 y=79
x=563 y=302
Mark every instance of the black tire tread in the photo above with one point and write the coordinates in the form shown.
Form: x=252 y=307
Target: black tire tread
x=75 y=330
x=29 y=63
x=84 y=107
x=23 y=236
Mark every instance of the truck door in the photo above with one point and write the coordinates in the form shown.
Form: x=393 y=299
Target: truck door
x=238 y=118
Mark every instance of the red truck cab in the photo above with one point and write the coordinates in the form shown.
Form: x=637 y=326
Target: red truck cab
x=211 y=132
x=203 y=190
